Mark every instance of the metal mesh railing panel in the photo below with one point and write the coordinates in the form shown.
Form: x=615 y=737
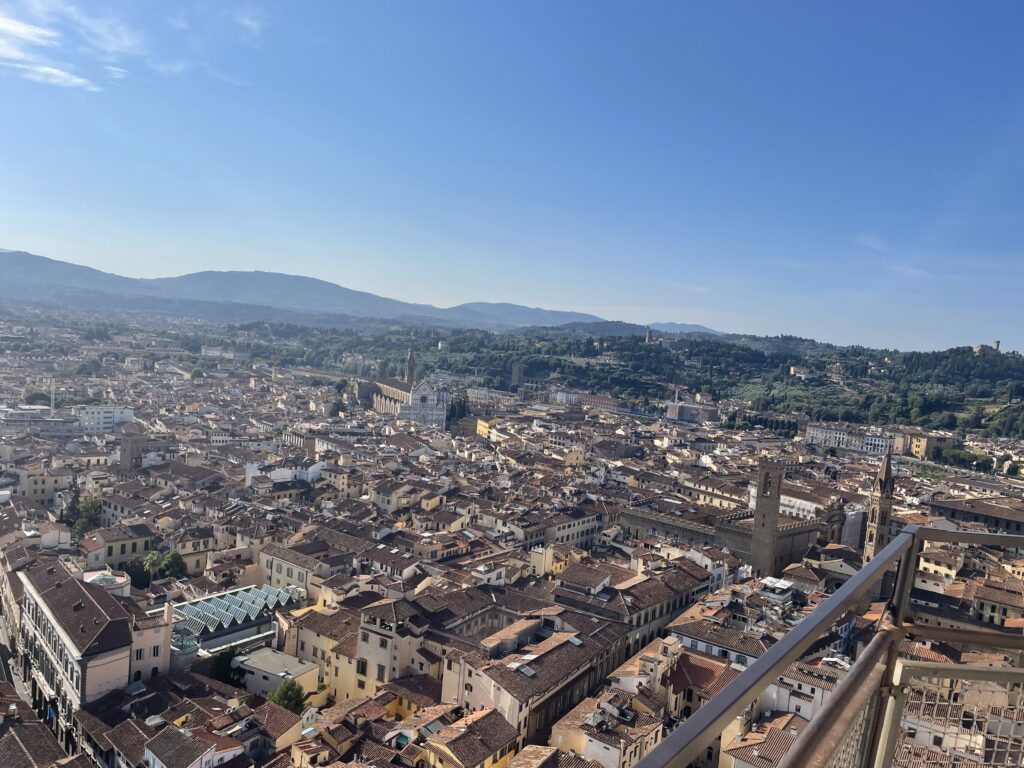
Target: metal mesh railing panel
x=949 y=721
x=851 y=751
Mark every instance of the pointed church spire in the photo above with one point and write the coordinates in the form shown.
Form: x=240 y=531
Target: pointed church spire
x=878 y=528
x=885 y=482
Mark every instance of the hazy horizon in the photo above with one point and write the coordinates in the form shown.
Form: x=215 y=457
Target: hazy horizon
x=648 y=322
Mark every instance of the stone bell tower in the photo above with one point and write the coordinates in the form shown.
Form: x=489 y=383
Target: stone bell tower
x=876 y=535
x=767 y=500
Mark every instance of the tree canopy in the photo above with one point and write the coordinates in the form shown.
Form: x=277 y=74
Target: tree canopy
x=84 y=515
x=173 y=565
x=289 y=694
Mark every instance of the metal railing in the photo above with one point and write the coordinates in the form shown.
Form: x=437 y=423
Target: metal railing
x=843 y=728
x=949 y=726
x=858 y=725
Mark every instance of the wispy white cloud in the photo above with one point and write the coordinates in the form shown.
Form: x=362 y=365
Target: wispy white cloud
x=873 y=242
x=12 y=30
x=24 y=42
x=25 y=49
x=251 y=21
x=71 y=43
x=11 y=51
x=44 y=73
x=45 y=29
x=110 y=36
x=107 y=35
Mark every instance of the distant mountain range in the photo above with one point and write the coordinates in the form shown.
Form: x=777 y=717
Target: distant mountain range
x=235 y=295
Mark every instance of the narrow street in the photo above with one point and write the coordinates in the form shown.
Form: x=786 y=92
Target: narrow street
x=5 y=663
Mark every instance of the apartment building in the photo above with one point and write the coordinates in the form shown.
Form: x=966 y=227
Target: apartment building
x=846 y=437
x=100 y=419
x=922 y=443
x=480 y=739
x=78 y=643
x=534 y=670
x=264 y=669
x=608 y=729
x=194 y=544
x=117 y=545
x=388 y=644
x=40 y=483
x=301 y=565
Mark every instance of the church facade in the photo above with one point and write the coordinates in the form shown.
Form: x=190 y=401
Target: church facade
x=425 y=401
x=428 y=404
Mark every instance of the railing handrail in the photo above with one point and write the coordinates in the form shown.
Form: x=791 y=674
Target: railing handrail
x=687 y=742
x=907 y=670
x=926 y=533
x=995 y=637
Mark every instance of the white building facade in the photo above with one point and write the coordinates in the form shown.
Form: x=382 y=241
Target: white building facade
x=100 y=419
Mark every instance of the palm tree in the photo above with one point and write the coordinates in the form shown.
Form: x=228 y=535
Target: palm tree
x=153 y=560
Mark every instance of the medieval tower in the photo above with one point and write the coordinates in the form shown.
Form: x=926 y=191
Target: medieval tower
x=763 y=539
x=877 y=534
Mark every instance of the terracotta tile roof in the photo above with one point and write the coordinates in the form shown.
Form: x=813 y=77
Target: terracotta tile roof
x=473 y=739
x=763 y=748
x=274 y=719
x=129 y=737
x=723 y=637
x=377 y=754
x=176 y=748
x=89 y=615
x=537 y=756
x=421 y=690
x=29 y=745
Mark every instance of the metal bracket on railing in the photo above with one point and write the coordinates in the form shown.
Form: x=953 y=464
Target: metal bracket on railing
x=889 y=727
x=882 y=732
x=905 y=578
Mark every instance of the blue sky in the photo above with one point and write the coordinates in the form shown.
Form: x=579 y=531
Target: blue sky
x=850 y=172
